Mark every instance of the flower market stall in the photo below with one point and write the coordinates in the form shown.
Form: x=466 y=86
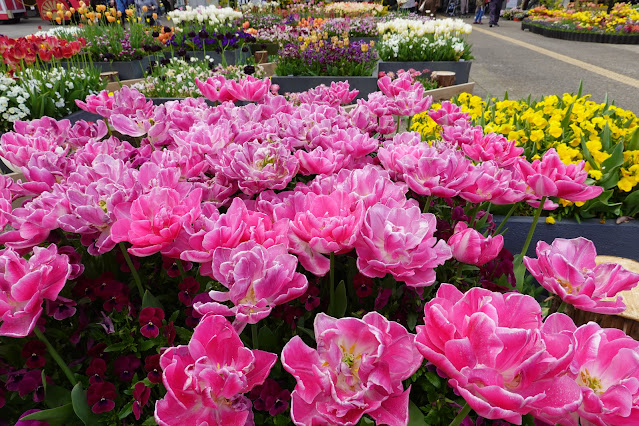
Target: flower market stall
x=207 y=245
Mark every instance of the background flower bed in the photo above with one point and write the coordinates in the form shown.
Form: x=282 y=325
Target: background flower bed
x=623 y=19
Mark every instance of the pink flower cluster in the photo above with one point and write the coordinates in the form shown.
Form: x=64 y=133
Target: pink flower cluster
x=506 y=363
x=248 y=192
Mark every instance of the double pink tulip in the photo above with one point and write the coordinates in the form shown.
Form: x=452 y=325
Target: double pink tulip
x=568 y=269
x=357 y=368
x=207 y=379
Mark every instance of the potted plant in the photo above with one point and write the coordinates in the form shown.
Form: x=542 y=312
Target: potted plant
x=319 y=59
x=435 y=45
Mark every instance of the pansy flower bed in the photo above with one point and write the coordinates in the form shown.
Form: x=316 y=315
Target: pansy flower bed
x=319 y=55
x=282 y=262
x=606 y=137
x=622 y=19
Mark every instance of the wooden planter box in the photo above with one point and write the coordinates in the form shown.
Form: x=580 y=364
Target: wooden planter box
x=610 y=238
x=446 y=93
x=460 y=68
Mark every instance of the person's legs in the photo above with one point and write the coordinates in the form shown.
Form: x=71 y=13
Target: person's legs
x=492 y=8
x=498 y=11
x=478 y=15
x=464 y=7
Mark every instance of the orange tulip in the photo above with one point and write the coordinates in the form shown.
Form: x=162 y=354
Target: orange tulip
x=49 y=14
x=110 y=19
x=59 y=6
x=155 y=16
x=58 y=20
x=98 y=15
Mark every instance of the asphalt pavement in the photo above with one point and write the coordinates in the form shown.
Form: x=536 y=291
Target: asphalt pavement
x=522 y=63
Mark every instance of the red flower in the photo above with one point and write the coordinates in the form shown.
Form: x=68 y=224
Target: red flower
x=125 y=366
x=101 y=397
x=34 y=352
x=152 y=366
x=141 y=395
x=151 y=321
x=189 y=287
x=96 y=370
x=363 y=285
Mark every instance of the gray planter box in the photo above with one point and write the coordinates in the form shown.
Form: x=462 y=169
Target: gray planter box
x=301 y=83
x=460 y=68
x=126 y=70
x=610 y=238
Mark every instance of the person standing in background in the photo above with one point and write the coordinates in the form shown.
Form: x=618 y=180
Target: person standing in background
x=409 y=5
x=495 y=11
x=479 y=5
x=463 y=7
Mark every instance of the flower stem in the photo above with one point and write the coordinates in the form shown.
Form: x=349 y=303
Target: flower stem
x=134 y=271
x=503 y=222
x=181 y=268
x=254 y=336
x=429 y=201
x=562 y=306
x=331 y=288
x=533 y=226
x=56 y=356
x=461 y=416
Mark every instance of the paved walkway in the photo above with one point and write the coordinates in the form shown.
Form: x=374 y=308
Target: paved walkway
x=523 y=63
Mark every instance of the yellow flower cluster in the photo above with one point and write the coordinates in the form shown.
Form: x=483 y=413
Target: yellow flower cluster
x=578 y=128
x=588 y=19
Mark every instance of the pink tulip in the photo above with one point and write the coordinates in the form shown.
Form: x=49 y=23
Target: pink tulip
x=568 y=269
x=323 y=224
x=255 y=166
x=92 y=193
x=215 y=89
x=357 y=368
x=439 y=170
x=400 y=241
x=258 y=279
x=492 y=348
x=337 y=94
x=206 y=380
x=448 y=114
x=154 y=221
x=492 y=147
x=249 y=89
x=606 y=367
x=469 y=246
x=126 y=101
x=229 y=230
x=552 y=178
x=24 y=284
x=407 y=95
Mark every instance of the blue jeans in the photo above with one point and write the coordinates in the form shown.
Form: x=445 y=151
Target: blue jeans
x=121 y=6
x=479 y=14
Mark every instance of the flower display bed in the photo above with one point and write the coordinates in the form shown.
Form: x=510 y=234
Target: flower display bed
x=579 y=36
x=460 y=68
